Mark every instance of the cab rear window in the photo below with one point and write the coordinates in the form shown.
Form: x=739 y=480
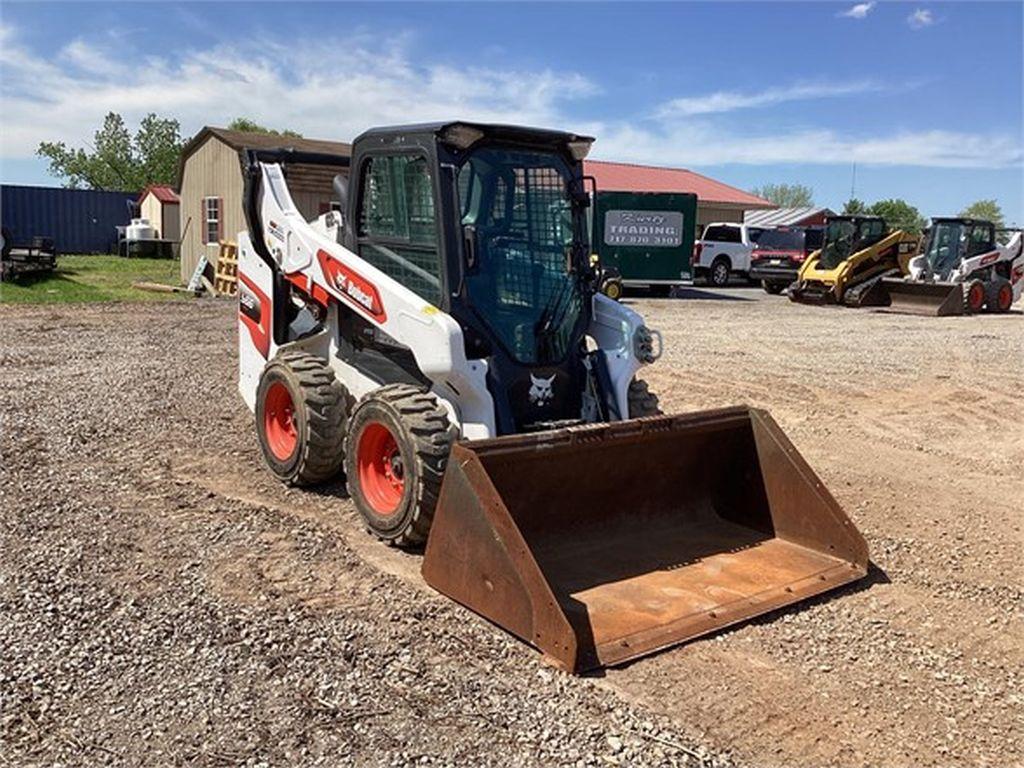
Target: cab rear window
x=723 y=234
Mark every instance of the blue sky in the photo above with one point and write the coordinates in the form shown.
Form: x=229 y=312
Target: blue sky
x=925 y=97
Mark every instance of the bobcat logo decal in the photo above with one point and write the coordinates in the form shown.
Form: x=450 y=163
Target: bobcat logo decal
x=540 y=390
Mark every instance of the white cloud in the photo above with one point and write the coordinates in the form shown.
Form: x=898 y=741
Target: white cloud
x=858 y=11
x=920 y=18
x=728 y=101
x=334 y=89
x=701 y=143
x=328 y=89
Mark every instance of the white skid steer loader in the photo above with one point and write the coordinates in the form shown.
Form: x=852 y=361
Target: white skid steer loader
x=962 y=269
x=440 y=338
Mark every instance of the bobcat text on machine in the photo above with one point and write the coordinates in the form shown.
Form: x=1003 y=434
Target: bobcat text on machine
x=857 y=252
x=962 y=269
x=439 y=338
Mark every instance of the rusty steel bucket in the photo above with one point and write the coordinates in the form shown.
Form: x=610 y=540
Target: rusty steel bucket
x=602 y=543
x=915 y=297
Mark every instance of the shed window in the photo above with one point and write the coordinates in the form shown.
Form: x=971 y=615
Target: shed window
x=211 y=220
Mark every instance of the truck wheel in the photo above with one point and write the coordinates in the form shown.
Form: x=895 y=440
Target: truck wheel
x=773 y=288
x=719 y=276
x=300 y=418
x=974 y=296
x=396 y=450
x=642 y=402
x=998 y=295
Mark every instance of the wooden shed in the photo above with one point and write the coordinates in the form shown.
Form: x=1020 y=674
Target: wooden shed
x=210 y=186
x=159 y=203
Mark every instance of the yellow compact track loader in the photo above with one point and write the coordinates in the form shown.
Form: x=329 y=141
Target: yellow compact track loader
x=440 y=338
x=858 y=251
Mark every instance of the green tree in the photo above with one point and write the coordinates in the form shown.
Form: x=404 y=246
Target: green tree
x=854 y=207
x=116 y=159
x=988 y=210
x=786 y=195
x=899 y=214
x=251 y=126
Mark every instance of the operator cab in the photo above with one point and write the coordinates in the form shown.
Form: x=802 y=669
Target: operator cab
x=952 y=240
x=487 y=223
x=846 y=235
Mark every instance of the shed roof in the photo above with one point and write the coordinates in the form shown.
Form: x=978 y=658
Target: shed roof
x=162 y=192
x=782 y=217
x=630 y=177
x=254 y=140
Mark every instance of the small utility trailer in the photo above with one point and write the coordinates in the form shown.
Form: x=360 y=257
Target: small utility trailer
x=646 y=237
x=37 y=254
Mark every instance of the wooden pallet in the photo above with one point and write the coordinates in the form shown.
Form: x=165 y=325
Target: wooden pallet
x=225 y=279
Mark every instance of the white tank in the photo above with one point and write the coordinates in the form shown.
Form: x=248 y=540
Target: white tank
x=140 y=229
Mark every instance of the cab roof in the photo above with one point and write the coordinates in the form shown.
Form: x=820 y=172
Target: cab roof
x=511 y=133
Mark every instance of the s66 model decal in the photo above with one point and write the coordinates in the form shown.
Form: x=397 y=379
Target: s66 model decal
x=254 y=311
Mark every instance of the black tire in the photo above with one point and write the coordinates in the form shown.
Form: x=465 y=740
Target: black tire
x=998 y=295
x=317 y=414
x=642 y=402
x=422 y=437
x=719 y=274
x=773 y=288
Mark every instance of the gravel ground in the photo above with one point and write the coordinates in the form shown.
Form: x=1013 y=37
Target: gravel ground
x=163 y=600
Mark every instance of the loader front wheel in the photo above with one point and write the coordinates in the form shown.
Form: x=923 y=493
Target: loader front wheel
x=974 y=296
x=396 y=450
x=300 y=418
x=642 y=402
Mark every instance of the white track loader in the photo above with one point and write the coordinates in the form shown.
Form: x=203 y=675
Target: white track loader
x=441 y=340
x=962 y=269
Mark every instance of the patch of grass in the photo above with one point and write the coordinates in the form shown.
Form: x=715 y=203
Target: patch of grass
x=93 y=278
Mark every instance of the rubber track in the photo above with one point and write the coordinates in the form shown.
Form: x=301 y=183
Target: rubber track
x=325 y=402
x=433 y=436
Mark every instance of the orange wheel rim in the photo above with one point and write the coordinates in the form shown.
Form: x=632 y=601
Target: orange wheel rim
x=279 y=421
x=381 y=469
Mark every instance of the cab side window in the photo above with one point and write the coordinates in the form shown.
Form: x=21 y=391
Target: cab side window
x=981 y=240
x=397 y=227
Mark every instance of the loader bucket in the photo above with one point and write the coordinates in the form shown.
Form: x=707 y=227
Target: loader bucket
x=915 y=297
x=603 y=543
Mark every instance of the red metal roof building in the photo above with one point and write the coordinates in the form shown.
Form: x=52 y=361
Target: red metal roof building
x=716 y=201
x=162 y=192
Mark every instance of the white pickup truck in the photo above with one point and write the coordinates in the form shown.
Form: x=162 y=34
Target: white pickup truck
x=724 y=250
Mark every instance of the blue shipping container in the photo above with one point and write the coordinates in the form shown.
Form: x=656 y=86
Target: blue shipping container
x=78 y=220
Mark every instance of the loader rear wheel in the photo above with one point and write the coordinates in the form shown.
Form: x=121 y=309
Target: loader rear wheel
x=974 y=296
x=999 y=295
x=300 y=418
x=396 y=450
x=642 y=402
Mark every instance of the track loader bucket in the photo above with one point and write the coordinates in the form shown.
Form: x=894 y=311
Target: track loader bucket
x=915 y=297
x=603 y=543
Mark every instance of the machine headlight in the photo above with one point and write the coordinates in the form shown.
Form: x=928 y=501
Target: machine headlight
x=579 y=148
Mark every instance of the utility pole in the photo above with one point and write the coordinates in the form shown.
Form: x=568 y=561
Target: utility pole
x=853 y=182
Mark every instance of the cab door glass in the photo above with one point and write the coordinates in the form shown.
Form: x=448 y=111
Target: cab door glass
x=397 y=222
